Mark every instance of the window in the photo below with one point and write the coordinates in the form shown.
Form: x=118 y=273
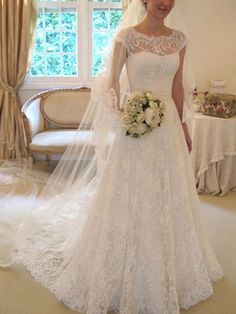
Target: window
x=105 y=21
x=72 y=40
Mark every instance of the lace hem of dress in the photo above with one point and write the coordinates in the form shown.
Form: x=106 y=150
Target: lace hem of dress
x=80 y=304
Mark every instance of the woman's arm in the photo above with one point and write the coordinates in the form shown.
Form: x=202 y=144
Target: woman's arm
x=177 y=87
x=178 y=96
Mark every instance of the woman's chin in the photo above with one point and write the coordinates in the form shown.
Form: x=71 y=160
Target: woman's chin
x=164 y=14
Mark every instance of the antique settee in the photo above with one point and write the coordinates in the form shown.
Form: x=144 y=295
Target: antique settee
x=51 y=119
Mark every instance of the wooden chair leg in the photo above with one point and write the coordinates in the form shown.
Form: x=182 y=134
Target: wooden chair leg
x=48 y=159
x=31 y=161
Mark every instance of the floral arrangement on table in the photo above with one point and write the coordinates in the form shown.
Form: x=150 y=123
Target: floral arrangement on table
x=214 y=104
x=142 y=113
x=196 y=93
x=198 y=99
x=219 y=105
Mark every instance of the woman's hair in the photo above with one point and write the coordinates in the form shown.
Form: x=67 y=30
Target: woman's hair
x=144 y=2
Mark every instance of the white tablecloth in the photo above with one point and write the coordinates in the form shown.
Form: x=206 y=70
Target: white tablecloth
x=214 y=154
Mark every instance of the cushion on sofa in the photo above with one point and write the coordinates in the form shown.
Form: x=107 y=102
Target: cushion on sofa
x=56 y=141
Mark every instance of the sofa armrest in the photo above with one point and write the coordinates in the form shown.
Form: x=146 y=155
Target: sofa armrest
x=33 y=119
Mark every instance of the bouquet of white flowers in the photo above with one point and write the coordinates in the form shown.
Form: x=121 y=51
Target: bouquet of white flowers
x=142 y=113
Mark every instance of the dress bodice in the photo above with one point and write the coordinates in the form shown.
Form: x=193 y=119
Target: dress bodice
x=148 y=71
x=152 y=61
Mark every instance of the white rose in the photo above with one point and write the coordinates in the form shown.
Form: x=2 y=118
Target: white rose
x=125 y=120
x=137 y=106
x=129 y=109
x=155 y=121
x=150 y=96
x=149 y=115
x=162 y=106
x=152 y=117
x=153 y=105
x=142 y=101
x=138 y=94
x=138 y=129
x=132 y=129
x=141 y=117
x=141 y=128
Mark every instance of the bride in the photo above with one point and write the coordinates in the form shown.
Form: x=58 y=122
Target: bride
x=118 y=226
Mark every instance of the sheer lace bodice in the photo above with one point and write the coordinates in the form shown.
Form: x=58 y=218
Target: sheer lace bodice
x=162 y=45
x=151 y=61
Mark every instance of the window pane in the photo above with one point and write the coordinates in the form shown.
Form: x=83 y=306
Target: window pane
x=39 y=42
x=115 y=16
x=53 y=65
x=70 y=65
x=68 y=19
x=100 y=19
x=40 y=19
x=52 y=19
x=100 y=43
x=53 y=42
x=69 y=42
x=38 y=66
x=97 y=62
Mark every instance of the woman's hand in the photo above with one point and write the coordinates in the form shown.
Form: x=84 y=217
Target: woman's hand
x=187 y=136
x=120 y=110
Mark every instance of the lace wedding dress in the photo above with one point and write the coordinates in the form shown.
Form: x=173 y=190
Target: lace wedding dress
x=137 y=243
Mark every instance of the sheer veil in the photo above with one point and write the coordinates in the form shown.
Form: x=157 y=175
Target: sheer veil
x=175 y=20
x=82 y=166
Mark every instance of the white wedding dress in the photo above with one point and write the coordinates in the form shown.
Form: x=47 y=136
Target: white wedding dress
x=137 y=243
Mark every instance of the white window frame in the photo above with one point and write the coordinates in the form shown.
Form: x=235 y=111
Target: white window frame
x=84 y=10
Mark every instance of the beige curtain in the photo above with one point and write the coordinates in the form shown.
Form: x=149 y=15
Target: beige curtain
x=17 y=24
x=125 y=4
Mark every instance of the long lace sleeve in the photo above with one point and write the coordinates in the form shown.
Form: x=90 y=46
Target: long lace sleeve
x=118 y=59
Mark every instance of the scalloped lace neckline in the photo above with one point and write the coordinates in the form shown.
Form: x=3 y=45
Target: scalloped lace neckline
x=152 y=36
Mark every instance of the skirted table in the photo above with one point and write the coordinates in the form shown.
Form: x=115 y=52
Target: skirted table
x=214 y=154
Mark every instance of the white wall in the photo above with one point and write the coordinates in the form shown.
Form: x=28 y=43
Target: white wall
x=211 y=28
